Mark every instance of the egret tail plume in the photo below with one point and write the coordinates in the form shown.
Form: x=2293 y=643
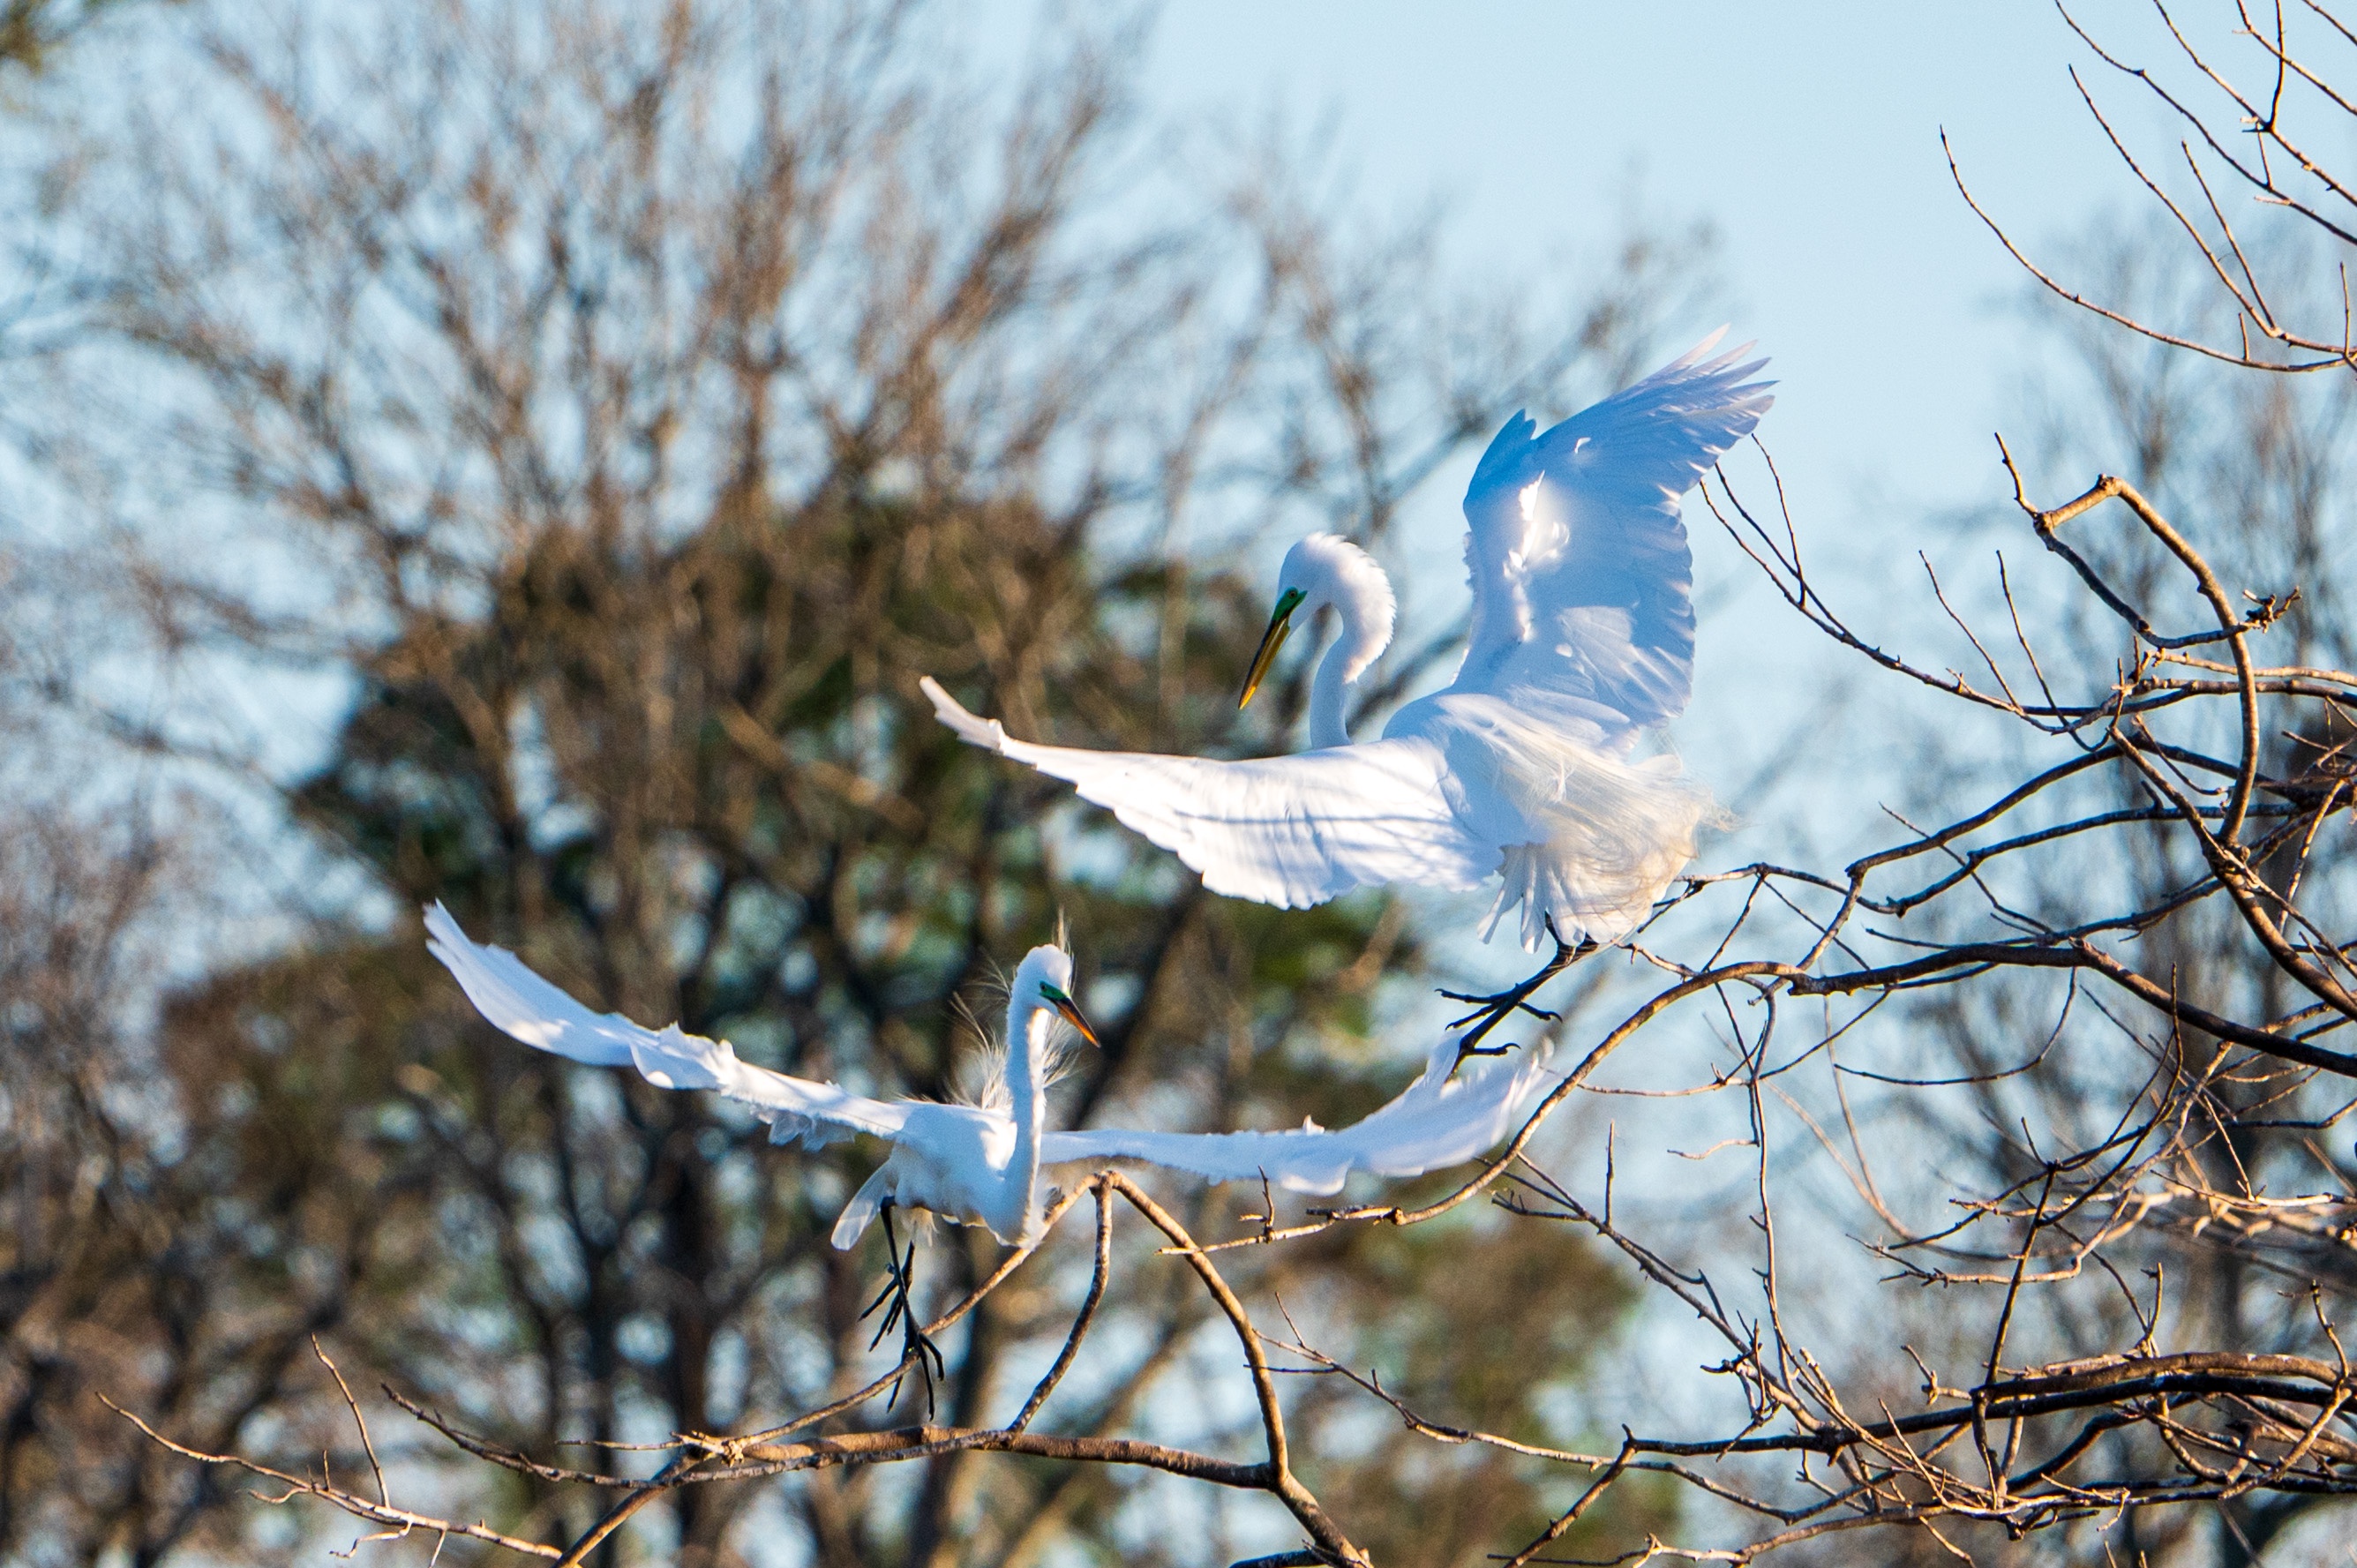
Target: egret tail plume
x=1614 y=834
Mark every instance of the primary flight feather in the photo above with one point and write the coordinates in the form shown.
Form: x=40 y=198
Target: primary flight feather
x=979 y=1164
x=1581 y=639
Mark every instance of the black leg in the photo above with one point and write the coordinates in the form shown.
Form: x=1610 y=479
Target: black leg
x=915 y=1347
x=1491 y=1011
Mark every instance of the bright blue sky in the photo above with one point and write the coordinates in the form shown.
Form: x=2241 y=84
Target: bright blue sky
x=1808 y=136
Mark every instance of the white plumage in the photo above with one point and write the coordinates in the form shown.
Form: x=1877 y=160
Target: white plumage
x=1581 y=638
x=980 y=1163
x=1436 y=1121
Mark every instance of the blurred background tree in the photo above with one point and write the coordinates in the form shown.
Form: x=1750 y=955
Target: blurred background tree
x=32 y=31
x=612 y=411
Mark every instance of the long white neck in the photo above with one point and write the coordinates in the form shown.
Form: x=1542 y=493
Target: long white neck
x=1028 y=1028
x=1330 y=692
x=1359 y=641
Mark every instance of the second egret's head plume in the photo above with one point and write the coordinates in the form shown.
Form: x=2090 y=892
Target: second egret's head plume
x=1321 y=570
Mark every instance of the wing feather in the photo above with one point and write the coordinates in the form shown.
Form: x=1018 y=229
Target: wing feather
x=1289 y=831
x=1438 y=1120
x=1581 y=575
x=524 y=1007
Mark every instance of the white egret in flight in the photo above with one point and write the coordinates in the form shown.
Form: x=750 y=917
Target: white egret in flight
x=1581 y=639
x=979 y=1164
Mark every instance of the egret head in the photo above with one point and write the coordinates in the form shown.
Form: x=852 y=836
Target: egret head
x=1045 y=979
x=1328 y=569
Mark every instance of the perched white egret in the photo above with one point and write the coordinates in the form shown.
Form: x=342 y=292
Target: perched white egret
x=1581 y=639
x=979 y=1164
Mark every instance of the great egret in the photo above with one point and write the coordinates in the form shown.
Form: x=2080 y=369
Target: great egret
x=1581 y=638
x=979 y=1164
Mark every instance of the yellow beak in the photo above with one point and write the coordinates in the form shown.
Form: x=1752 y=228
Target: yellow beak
x=1072 y=1016
x=1071 y=1010
x=1280 y=627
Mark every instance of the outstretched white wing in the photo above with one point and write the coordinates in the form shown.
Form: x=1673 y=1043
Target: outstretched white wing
x=1582 y=581
x=1288 y=830
x=1438 y=1120
x=523 y=1005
